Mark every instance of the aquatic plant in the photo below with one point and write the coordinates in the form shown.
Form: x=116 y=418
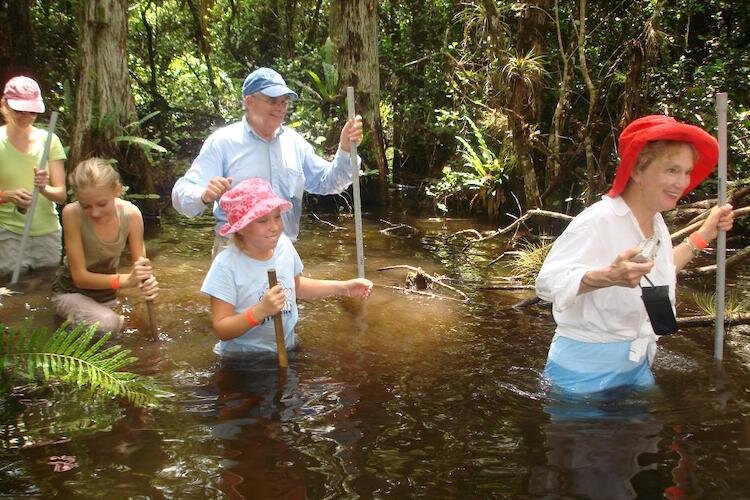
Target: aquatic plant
x=704 y=303
x=74 y=356
x=529 y=260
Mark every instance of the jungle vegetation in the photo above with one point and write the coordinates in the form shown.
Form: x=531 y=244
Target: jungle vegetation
x=489 y=107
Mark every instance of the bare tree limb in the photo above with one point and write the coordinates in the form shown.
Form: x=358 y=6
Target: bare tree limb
x=433 y=279
x=334 y=226
x=740 y=212
x=420 y=292
x=734 y=259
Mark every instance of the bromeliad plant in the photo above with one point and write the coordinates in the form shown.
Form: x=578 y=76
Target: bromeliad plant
x=73 y=356
x=485 y=170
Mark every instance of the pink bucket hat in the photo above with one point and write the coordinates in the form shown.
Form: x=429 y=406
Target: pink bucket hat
x=247 y=201
x=659 y=127
x=23 y=94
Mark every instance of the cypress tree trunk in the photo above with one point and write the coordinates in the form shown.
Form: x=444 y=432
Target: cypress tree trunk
x=354 y=31
x=104 y=103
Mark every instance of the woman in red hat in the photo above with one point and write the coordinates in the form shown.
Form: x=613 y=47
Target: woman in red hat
x=611 y=275
x=21 y=148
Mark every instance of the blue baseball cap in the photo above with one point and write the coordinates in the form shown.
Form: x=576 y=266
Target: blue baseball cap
x=267 y=81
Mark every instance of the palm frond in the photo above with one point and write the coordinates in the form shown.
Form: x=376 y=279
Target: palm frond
x=73 y=356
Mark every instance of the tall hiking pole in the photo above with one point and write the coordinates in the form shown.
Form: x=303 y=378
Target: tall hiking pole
x=355 y=186
x=278 y=325
x=34 y=196
x=721 y=239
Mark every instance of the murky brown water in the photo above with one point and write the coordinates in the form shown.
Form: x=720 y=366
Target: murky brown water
x=405 y=397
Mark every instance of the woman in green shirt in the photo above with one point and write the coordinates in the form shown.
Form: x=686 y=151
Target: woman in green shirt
x=21 y=148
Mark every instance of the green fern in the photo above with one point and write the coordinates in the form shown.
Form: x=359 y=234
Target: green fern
x=75 y=357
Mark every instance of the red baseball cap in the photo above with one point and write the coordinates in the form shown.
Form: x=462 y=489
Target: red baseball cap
x=23 y=94
x=656 y=128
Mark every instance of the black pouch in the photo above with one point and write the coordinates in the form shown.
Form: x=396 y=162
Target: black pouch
x=659 y=309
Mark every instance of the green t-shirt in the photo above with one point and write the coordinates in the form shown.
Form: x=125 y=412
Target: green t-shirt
x=16 y=171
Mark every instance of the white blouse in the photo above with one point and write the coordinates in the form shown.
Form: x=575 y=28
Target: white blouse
x=612 y=314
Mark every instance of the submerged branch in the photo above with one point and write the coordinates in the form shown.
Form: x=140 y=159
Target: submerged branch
x=432 y=279
x=420 y=292
x=334 y=226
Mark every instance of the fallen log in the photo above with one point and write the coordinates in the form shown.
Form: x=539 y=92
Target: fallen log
x=733 y=260
x=729 y=319
x=420 y=273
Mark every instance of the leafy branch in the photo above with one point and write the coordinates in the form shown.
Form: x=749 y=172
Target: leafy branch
x=75 y=357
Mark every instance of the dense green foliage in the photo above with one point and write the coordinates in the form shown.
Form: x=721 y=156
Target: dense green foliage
x=452 y=75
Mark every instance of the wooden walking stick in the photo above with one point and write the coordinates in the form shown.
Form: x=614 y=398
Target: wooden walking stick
x=721 y=239
x=153 y=332
x=278 y=325
x=34 y=196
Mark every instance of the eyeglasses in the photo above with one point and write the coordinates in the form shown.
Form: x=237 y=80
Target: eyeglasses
x=282 y=101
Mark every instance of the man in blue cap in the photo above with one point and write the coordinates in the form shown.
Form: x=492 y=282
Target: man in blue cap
x=260 y=146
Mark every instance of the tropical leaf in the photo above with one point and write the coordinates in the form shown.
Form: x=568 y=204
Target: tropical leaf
x=145 y=144
x=74 y=356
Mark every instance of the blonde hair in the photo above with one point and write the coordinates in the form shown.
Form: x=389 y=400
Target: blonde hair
x=94 y=173
x=654 y=149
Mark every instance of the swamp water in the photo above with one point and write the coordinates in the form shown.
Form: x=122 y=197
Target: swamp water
x=406 y=397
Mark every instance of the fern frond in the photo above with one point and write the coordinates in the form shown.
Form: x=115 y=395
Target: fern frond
x=71 y=355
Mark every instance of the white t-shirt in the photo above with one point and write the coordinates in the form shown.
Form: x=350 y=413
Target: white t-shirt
x=591 y=241
x=241 y=281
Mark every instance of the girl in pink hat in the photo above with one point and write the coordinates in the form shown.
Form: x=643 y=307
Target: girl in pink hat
x=21 y=148
x=611 y=275
x=242 y=304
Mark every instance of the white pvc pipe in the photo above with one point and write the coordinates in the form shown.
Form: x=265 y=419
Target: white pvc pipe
x=721 y=240
x=34 y=196
x=355 y=186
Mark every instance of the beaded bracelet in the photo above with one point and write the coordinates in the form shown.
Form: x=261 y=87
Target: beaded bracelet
x=251 y=321
x=693 y=249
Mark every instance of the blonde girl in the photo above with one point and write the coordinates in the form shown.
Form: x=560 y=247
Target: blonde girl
x=96 y=228
x=21 y=147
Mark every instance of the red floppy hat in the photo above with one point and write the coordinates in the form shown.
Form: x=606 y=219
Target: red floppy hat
x=657 y=128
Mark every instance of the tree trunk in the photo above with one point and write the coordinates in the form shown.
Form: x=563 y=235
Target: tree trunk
x=17 y=52
x=524 y=100
x=198 y=13
x=104 y=103
x=642 y=49
x=552 y=170
x=592 y=175
x=354 y=31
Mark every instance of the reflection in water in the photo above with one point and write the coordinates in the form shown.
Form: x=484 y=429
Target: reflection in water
x=595 y=447
x=254 y=404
